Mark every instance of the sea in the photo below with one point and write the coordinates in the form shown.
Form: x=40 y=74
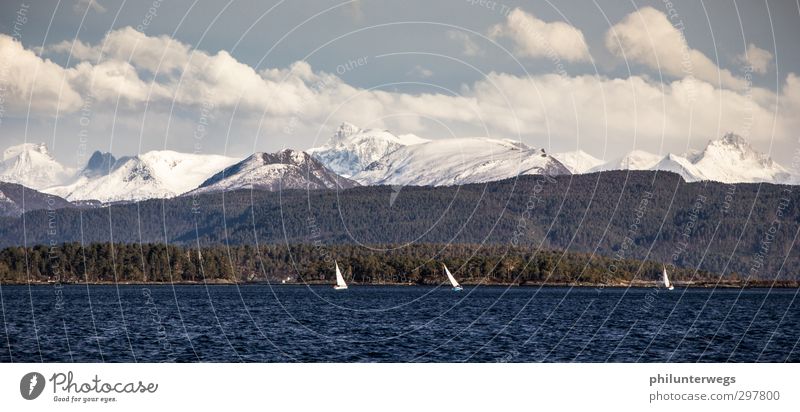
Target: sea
x=300 y=323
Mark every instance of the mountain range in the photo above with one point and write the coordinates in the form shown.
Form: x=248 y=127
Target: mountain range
x=705 y=225
x=367 y=157
x=729 y=159
x=287 y=169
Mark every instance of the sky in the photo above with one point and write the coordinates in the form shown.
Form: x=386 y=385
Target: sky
x=605 y=77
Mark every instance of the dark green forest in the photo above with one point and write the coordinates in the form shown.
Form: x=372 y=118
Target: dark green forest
x=378 y=264
x=745 y=229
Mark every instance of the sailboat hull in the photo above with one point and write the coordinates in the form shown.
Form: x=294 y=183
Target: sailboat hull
x=457 y=289
x=337 y=287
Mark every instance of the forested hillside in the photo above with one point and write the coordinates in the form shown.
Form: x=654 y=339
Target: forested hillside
x=378 y=264
x=747 y=229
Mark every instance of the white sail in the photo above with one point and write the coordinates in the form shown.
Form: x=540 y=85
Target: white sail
x=453 y=280
x=666 y=280
x=340 y=284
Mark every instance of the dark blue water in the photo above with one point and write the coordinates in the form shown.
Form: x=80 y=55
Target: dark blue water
x=259 y=323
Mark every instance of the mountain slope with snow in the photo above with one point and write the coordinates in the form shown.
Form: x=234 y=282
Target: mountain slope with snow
x=732 y=160
x=729 y=159
x=578 y=161
x=459 y=161
x=680 y=165
x=31 y=165
x=633 y=160
x=155 y=174
x=287 y=169
x=352 y=149
x=371 y=157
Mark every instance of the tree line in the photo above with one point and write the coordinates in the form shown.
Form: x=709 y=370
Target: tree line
x=419 y=264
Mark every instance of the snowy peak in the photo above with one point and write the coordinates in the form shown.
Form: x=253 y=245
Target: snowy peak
x=155 y=174
x=729 y=159
x=680 y=165
x=344 y=131
x=637 y=160
x=30 y=164
x=287 y=169
x=26 y=149
x=733 y=147
x=351 y=149
x=459 y=161
x=99 y=164
x=578 y=161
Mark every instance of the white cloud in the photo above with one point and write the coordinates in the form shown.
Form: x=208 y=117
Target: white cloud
x=81 y=5
x=355 y=10
x=587 y=107
x=648 y=37
x=28 y=81
x=420 y=72
x=151 y=53
x=533 y=37
x=756 y=58
x=468 y=45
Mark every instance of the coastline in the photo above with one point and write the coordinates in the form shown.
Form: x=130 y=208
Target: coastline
x=790 y=284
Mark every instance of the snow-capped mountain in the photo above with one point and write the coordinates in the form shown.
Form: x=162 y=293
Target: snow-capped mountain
x=459 y=161
x=155 y=174
x=99 y=164
x=680 y=165
x=368 y=157
x=352 y=149
x=633 y=160
x=578 y=161
x=729 y=159
x=287 y=169
x=31 y=165
x=16 y=199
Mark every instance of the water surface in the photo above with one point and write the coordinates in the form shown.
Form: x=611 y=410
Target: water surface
x=263 y=323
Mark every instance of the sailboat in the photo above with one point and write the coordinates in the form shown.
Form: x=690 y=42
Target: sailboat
x=666 y=280
x=340 y=285
x=453 y=281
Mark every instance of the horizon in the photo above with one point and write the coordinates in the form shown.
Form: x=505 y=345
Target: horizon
x=118 y=157
x=557 y=76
